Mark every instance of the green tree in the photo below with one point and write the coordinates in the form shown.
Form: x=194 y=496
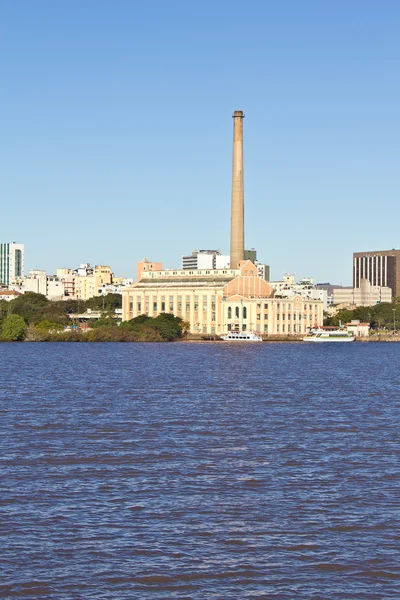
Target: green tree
x=29 y=306
x=104 y=322
x=108 y=302
x=13 y=328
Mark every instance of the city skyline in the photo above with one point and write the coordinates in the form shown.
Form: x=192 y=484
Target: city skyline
x=118 y=146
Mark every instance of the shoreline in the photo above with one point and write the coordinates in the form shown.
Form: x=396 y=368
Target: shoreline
x=80 y=338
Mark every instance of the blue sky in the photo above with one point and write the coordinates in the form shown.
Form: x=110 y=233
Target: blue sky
x=116 y=130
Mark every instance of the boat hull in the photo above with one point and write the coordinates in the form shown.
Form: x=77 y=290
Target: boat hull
x=329 y=340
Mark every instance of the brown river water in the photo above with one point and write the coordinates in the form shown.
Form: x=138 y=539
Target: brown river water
x=184 y=471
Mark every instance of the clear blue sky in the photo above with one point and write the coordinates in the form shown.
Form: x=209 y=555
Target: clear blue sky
x=116 y=130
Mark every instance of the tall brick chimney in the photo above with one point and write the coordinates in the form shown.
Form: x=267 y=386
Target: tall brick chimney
x=237 y=214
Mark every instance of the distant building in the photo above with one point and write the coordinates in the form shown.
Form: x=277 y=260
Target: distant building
x=263 y=271
x=251 y=255
x=86 y=281
x=49 y=285
x=145 y=266
x=68 y=279
x=304 y=288
x=84 y=270
x=222 y=261
x=213 y=259
x=9 y=295
x=365 y=295
x=200 y=259
x=11 y=262
x=381 y=268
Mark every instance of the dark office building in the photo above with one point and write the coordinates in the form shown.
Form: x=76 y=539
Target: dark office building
x=381 y=268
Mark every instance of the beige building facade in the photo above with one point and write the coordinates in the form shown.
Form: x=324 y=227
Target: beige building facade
x=214 y=302
x=364 y=295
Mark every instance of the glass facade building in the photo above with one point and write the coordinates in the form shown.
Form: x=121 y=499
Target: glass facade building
x=11 y=262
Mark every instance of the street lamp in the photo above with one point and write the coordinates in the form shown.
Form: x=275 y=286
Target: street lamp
x=394 y=319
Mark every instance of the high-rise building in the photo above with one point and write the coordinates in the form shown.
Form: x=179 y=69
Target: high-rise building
x=381 y=268
x=11 y=262
x=201 y=259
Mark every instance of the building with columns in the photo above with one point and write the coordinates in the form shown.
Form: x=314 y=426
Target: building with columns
x=214 y=301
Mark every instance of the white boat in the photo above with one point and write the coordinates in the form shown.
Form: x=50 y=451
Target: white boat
x=329 y=335
x=242 y=336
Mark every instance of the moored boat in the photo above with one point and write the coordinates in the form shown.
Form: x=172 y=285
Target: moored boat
x=242 y=336
x=329 y=334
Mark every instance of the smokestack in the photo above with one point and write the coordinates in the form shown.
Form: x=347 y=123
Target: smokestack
x=237 y=214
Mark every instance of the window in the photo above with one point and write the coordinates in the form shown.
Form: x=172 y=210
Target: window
x=278 y=316
x=18 y=263
x=277 y=328
x=258 y=317
x=130 y=306
x=139 y=306
x=155 y=306
x=237 y=312
x=229 y=312
x=266 y=327
x=244 y=312
x=265 y=306
x=162 y=306
x=283 y=329
x=213 y=316
x=179 y=307
x=244 y=327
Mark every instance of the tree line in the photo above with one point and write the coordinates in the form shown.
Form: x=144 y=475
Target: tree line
x=33 y=317
x=380 y=316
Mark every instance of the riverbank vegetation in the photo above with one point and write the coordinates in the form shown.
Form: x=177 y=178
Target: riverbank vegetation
x=381 y=316
x=32 y=317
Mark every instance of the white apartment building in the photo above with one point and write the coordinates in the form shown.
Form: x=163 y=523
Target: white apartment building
x=49 y=285
x=11 y=262
x=305 y=288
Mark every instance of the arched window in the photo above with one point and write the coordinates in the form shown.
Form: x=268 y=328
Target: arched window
x=229 y=312
x=244 y=312
x=237 y=312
